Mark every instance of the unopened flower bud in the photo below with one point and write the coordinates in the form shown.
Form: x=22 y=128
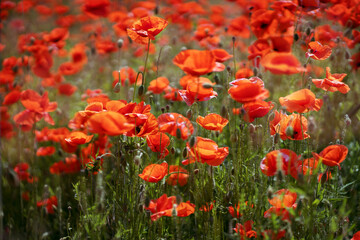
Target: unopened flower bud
x=217 y=79
x=162 y=110
x=224 y=112
x=172 y=150
x=207 y=85
x=141 y=90
x=196 y=171
x=234 y=138
x=137 y=160
x=289 y=131
x=296 y=37
x=120 y=42
x=192 y=141
x=185 y=153
x=167 y=107
x=308 y=31
x=189 y=114
x=117 y=87
x=178 y=133
x=251 y=128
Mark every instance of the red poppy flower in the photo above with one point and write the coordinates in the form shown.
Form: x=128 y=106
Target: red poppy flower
x=212 y=121
x=280 y=160
x=69 y=68
x=21 y=170
x=247 y=90
x=332 y=155
x=12 y=97
x=146 y=29
x=158 y=85
x=332 y=82
x=318 y=51
x=195 y=62
x=281 y=63
x=154 y=172
x=177 y=175
x=126 y=74
x=206 y=151
x=200 y=90
x=281 y=202
x=49 y=204
x=66 y=89
x=356 y=236
x=256 y=109
x=221 y=55
x=158 y=143
x=166 y=206
x=171 y=122
x=45 y=151
x=239 y=27
x=301 y=101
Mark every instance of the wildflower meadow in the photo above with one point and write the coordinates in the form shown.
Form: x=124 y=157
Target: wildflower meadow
x=177 y=119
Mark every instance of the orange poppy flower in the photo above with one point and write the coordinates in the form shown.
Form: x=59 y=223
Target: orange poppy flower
x=221 y=55
x=165 y=205
x=332 y=155
x=158 y=85
x=281 y=63
x=158 y=143
x=45 y=151
x=77 y=138
x=195 y=62
x=172 y=94
x=282 y=122
x=301 y=101
x=212 y=121
x=154 y=172
x=206 y=151
x=239 y=27
x=256 y=109
x=356 y=236
x=146 y=29
x=66 y=89
x=247 y=90
x=126 y=74
x=195 y=91
x=244 y=72
x=280 y=160
x=332 y=82
x=281 y=202
x=171 y=122
x=246 y=230
x=318 y=51
x=177 y=175
x=69 y=68
x=110 y=123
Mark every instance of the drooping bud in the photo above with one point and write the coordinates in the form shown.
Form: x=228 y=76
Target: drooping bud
x=192 y=141
x=117 y=87
x=141 y=90
x=120 y=42
x=308 y=31
x=185 y=153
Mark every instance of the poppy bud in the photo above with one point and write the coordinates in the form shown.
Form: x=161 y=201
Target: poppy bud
x=175 y=94
x=226 y=29
x=120 y=42
x=189 y=114
x=255 y=71
x=271 y=116
x=260 y=75
x=185 y=153
x=228 y=68
x=296 y=37
x=137 y=160
x=167 y=107
x=141 y=90
x=15 y=69
x=252 y=128
x=289 y=131
x=196 y=171
x=117 y=87
x=207 y=85
x=32 y=40
x=308 y=31
x=93 y=51
x=172 y=150
x=270 y=193
x=217 y=79
x=217 y=133
x=234 y=138
x=347 y=120
x=233 y=171
x=178 y=133
x=156 y=10
x=178 y=200
x=312 y=39
x=174 y=212
x=147 y=201
x=192 y=141
x=224 y=111
x=276 y=138
x=299 y=205
x=323 y=177
x=233 y=39
x=280 y=175
x=162 y=110
x=347 y=55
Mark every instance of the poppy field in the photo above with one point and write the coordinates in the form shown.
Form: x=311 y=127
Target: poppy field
x=176 y=119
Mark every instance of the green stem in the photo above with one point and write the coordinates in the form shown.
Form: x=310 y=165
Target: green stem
x=146 y=59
